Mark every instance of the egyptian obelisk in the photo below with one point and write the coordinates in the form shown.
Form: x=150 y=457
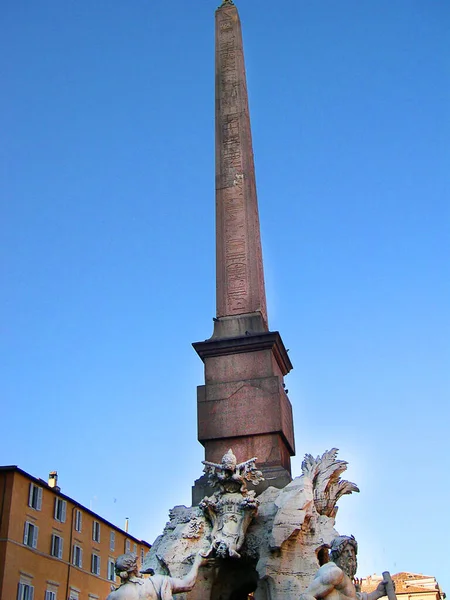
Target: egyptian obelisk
x=243 y=404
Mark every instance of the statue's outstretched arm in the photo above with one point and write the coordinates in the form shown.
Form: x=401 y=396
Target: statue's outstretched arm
x=187 y=583
x=379 y=592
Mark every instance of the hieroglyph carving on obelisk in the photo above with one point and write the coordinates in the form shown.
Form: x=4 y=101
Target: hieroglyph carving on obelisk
x=240 y=277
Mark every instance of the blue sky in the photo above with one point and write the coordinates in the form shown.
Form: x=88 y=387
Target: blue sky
x=107 y=191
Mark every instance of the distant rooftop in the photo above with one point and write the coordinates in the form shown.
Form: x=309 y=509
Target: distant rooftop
x=406 y=583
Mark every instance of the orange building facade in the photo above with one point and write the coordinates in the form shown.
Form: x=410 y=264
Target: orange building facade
x=52 y=547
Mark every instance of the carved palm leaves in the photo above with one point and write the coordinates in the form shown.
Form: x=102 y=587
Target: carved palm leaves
x=324 y=472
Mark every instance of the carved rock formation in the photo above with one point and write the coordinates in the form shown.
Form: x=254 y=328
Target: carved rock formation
x=280 y=553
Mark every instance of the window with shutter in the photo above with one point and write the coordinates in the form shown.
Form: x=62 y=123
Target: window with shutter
x=96 y=531
x=112 y=541
x=111 y=570
x=35 y=536
x=30 y=535
x=56 y=546
x=35 y=497
x=78 y=520
x=60 y=510
x=26 y=532
x=95 y=564
x=25 y=591
x=77 y=557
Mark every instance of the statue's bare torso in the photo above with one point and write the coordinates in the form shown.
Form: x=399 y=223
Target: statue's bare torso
x=336 y=584
x=331 y=583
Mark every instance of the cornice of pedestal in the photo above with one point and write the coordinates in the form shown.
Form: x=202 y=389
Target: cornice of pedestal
x=270 y=340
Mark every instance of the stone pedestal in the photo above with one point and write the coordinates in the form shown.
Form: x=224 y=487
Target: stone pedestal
x=243 y=403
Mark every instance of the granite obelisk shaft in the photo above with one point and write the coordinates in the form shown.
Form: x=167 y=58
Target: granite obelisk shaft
x=239 y=265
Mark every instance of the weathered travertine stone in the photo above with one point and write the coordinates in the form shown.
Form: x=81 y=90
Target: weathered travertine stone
x=284 y=545
x=232 y=507
x=334 y=579
x=299 y=529
x=158 y=587
x=325 y=471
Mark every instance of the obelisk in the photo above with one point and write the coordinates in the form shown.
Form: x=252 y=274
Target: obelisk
x=243 y=404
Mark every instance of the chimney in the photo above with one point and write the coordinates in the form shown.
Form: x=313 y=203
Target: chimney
x=53 y=480
x=126 y=524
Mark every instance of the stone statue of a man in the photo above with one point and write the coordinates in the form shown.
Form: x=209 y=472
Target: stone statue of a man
x=334 y=579
x=156 y=587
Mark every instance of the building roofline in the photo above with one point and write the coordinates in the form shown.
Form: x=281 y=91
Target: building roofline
x=42 y=483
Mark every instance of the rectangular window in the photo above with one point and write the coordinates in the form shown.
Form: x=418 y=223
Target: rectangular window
x=95 y=564
x=127 y=546
x=142 y=556
x=135 y=548
x=78 y=520
x=30 y=535
x=96 y=531
x=112 y=541
x=56 y=546
x=77 y=557
x=26 y=592
x=35 y=497
x=111 y=570
x=49 y=595
x=60 y=510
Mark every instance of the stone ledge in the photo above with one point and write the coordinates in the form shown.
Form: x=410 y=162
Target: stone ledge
x=270 y=340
